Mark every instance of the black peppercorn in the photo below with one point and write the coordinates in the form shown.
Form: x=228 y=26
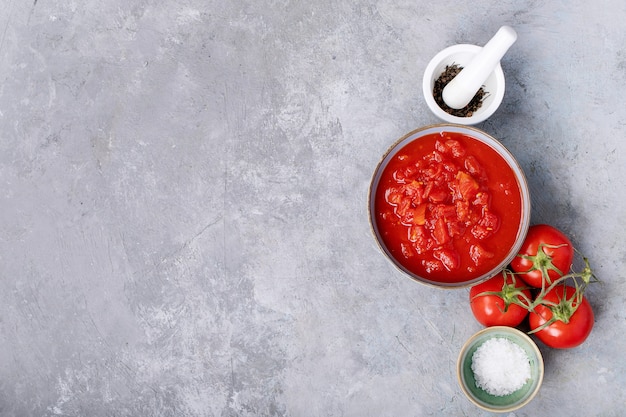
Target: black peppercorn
x=450 y=72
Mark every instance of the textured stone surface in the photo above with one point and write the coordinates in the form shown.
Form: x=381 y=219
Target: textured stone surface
x=183 y=216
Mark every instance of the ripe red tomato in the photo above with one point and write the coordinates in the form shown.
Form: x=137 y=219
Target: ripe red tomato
x=570 y=329
x=556 y=257
x=489 y=308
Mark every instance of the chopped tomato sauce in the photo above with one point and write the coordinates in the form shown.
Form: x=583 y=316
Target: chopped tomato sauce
x=448 y=207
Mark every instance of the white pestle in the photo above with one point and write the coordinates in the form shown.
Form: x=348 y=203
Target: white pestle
x=460 y=91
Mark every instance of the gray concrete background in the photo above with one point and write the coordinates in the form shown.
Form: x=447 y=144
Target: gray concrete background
x=183 y=226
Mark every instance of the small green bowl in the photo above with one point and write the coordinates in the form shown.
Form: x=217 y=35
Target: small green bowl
x=505 y=403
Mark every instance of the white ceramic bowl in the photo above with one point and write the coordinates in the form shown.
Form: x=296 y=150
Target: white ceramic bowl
x=461 y=55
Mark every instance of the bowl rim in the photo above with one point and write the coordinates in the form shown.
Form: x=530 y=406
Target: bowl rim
x=505 y=153
x=501 y=330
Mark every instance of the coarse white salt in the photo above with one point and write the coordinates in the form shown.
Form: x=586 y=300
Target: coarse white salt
x=500 y=366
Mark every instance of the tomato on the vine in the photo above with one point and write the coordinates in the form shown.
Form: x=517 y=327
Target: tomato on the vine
x=545 y=251
x=564 y=319
x=496 y=302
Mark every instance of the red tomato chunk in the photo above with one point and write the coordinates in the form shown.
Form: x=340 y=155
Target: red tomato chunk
x=448 y=207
